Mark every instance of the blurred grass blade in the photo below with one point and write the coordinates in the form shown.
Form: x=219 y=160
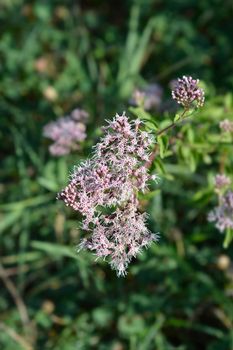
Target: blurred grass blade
x=54 y=249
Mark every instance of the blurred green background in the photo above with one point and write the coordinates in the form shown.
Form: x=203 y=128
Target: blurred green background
x=58 y=55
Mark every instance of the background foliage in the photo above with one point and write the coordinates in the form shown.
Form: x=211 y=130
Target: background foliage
x=57 y=55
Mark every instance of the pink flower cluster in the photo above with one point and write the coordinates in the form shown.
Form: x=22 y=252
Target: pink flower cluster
x=226 y=125
x=120 y=235
x=221 y=181
x=149 y=97
x=67 y=132
x=186 y=92
x=222 y=215
x=104 y=190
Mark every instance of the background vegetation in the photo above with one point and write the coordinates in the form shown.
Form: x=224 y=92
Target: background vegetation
x=55 y=56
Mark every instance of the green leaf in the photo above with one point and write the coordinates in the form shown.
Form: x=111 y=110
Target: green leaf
x=48 y=184
x=149 y=195
x=228 y=100
x=159 y=166
x=228 y=238
x=57 y=250
x=192 y=162
x=144 y=116
x=150 y=125
x=176 y=118
x=163 y=145
x=9 y=219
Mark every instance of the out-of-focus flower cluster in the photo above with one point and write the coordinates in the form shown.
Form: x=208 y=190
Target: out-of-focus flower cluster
x=226 y=125
x=187 y=92
x=67 y=132
x=222 y=215
x=104 y=190
x=149 y=97
x=221 y=181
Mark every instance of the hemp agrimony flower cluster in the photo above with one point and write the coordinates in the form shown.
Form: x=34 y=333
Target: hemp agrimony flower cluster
x=222 y=215
x=187 y=92
x=150 y=97
x=67 y=132
x=105 y=188
x=226 y=125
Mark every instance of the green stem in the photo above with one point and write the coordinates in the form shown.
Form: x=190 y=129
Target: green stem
x=160 y=132
x=173 y=125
